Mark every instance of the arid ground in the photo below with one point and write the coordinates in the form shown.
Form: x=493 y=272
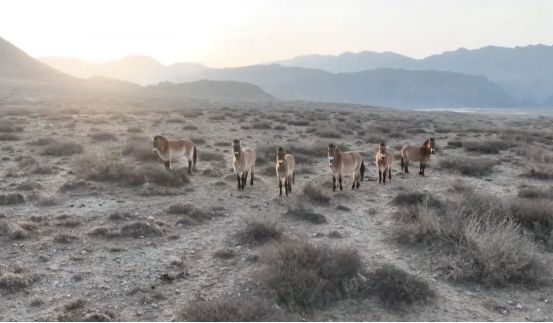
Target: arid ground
x=92 y=226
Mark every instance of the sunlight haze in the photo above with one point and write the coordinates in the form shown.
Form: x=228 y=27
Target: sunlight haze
x=237 y=33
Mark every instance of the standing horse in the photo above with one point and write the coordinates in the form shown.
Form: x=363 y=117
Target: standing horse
x=169 y=149
x=347 y=163
x=420 y=154
x=383 y=161
x=243 y=162
x=285 y=165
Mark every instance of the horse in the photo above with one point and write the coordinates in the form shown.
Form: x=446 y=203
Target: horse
x=420 y=154
x=345 y=163
x=243 y=162
x=383 y=161
x=285 y=165
x=169 y=149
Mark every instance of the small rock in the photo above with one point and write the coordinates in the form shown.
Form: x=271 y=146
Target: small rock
x=518 y=306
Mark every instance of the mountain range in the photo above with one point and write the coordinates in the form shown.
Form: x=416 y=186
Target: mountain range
x=20 y=72
x=486 y=77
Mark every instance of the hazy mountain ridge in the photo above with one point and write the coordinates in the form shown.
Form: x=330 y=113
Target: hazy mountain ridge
x=20 y=72
x=524 y=72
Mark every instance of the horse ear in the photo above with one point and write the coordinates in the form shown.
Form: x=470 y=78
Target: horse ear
x=152 y=137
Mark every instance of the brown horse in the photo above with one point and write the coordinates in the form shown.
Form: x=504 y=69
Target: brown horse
x=285 y=165
x=243 y=162
x=169 y=149
x=383 y=161
x=345 y=163
x=420 y=154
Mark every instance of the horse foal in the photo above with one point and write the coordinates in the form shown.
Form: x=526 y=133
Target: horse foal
x=243 y=162
x=384 y=159
x=285 y=165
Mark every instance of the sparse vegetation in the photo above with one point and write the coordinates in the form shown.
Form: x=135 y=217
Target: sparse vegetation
x=190 y=214
x=63 y=147
x=103 y=136
x=303 y=214
x=304 y=276
x=14 y=278
x=483 y=244
x=108 y=170
x=469 y=166
x=231 y=309
x=315 y=195
x=11 y=199
x=258 y=232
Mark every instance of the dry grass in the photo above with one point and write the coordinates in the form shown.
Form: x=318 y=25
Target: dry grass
x=303 y=214
x=545 y=173
x=395 y=288
x=483 y=244
x=190 y=214
x=232 y=309
x=140 y=230
x=11 y=199
x=314 y=194
x=14 y=278
x=109 y=170
x=475 y=167
x=140 y=148
x=536 y=216
x=103 y=136
x=536 y=192
x=534 y=153
x=61 y=147
x=259 y=231
x=487 y=146
x=303 y=276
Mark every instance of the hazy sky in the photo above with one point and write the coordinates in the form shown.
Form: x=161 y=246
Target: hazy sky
x=242 y=32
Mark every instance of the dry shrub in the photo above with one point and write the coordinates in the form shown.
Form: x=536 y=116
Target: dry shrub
x=103 y=169
x=304 y=214
x=225 y=253
x=62 y=147
x=260 y=125
x=487 y=146
x=534 y=153
x=416 y=198
x=536 y=216
x=232 y=309
x=303 y=276
x=9 y=126
x=545 y=173
x=11 y=199
x=535 y=192
x=48 y=200
x=482 y=243
x=140 y=230
x=140 y=148
x=134 y=130
x=190 y=214
x=104 y=232
x=65 y=238
x=259 y=231
x=28 y=186
x=8 y=137
x=328 y=132
x=210 y=156
x=103 y=136
x=475 y=167
x=314 y=194
x=396 y=288
x=14 y=278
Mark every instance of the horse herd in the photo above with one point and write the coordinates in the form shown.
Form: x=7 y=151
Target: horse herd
x=347 y=163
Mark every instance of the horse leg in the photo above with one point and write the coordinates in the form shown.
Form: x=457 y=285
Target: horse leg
x=244 y=180
x=423 y=168
x=286 y=186
x=167 y=164
x=239 y=183
x=251 y=179
x=280 y=187
x=421 y=171
x=379 y=176
x=340 y=181
x=290 y=181
x=333 y=183
x=407 y=167
x=389 y=173
x=189 y=167
x=354 y=177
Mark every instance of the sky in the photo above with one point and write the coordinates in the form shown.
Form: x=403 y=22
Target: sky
x=228 y=33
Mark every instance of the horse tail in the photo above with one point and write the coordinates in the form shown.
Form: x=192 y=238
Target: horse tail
x=194 y=155
x=402 y=163
x=362 y=170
